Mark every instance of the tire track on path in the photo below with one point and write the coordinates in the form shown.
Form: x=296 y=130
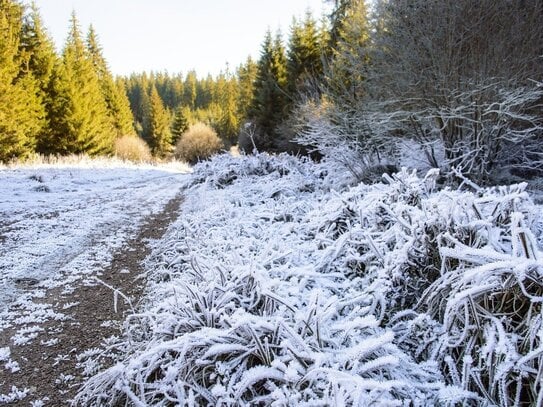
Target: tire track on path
x=51 y=365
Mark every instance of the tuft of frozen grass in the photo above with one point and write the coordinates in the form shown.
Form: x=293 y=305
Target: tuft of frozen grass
x=14 y=395
x=282 y=285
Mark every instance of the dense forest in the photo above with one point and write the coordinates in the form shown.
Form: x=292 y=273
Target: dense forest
x=460 y=81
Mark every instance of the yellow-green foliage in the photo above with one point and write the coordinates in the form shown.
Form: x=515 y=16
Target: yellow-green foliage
x=132 y=148
x=199 y=142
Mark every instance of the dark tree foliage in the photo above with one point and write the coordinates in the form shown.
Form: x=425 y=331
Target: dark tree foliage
x=21 y=106
x=55 y=104
x=270 y=92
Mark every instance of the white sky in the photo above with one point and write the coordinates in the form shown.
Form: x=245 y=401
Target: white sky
x=176 y=35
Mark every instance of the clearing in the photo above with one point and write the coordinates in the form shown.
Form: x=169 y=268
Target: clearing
x=69 y=238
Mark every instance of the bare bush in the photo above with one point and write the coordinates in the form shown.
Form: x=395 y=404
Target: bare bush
x=463 y=72
x=132 y=148
x=199 y=142
x=356 y=141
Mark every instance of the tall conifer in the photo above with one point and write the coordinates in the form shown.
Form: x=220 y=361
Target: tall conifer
x=246 y=73
x=117 y=102
x=304 y=66
x=180 y=123
x=21 y=109
x=157 y=125
x=79 y=118
x=268 y=107
x=350 y=37
x=39 y=47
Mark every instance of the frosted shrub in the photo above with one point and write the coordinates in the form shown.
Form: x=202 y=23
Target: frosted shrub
x=275 y=289
x=492 y=316
x=132 y=148
x=199 y=142
x=358 y=141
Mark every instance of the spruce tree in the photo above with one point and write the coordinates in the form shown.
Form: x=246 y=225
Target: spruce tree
x=304 y=66
x=42 y=59
x=246 y=74
x=351 y=37
x=269 y=102
x=79 y=117
x=21 y=109
x=180 y=124
x=225 y=96
x=39 y=47
x=157 y=125
x=117 y=103
x=190 y=90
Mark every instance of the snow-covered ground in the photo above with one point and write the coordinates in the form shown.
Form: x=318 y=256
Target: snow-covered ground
x=282 y=285
x=62 y=221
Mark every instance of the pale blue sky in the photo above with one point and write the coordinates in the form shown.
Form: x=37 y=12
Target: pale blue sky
x=176 y=35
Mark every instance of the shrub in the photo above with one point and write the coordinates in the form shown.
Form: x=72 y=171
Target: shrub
x=199 y=142
x=132 y=148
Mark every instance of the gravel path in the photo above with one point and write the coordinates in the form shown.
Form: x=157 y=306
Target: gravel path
x=46 y=358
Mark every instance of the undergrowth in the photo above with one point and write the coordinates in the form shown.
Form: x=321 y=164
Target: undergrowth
x=281 y=286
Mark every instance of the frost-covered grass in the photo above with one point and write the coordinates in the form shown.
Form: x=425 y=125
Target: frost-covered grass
x=85 y=162
x=279 y=285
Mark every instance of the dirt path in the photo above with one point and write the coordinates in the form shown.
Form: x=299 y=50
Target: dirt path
x=52 y=365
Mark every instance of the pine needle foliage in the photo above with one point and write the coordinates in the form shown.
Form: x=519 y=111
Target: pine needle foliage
x=78 y=115
x=21 y=108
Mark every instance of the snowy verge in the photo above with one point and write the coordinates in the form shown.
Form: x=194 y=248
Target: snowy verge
x=281 y=286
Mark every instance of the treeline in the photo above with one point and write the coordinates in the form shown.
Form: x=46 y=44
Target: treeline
x=67 y=103
x=260 y=93
x=165 y=106
x=458 y=82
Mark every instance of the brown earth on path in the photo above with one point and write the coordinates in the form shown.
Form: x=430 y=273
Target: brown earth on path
x=51 y=372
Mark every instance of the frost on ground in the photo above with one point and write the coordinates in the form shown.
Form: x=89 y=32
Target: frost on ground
x=64 y=232
x=280 y=285
x=50 y=215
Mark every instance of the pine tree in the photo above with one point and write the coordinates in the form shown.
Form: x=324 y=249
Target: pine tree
x=117 y=103
x=21 y=109
x=351 y=36
x=180 y=124
x=246 y=74
x=304 y=66
x=190 y=90
x=79 y=117
x=157 y=125
x=42 y=58
x=225 y=96
x=268 y=107
x=39 y=47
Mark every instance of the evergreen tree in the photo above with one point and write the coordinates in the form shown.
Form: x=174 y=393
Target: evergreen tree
x=180 y=123
x=305 y=68
x=190 y=90
x=351 y=37
x=246 y=74
x=157 y=125
x=337 y=19
x=205 y=92
x=78 y=114
x=118 y=106
x=226 y=95
x=268 y=107
x=39 y=48
x=21 y=109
